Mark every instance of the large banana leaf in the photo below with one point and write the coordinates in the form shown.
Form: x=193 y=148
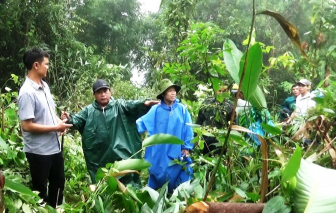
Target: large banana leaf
x=252 y=71
x=257 y=99
x=232 y=56
x=315 y=189
x=234 y=62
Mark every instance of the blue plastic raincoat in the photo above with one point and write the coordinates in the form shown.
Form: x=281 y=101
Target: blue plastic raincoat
x=169 y=120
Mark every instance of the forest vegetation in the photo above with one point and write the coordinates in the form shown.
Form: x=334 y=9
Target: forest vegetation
x=201 y=45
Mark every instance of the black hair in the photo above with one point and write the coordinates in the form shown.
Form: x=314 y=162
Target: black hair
x=295 y=85
x=34 y=55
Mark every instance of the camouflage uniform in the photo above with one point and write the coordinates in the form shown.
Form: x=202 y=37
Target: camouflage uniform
x=214 y=114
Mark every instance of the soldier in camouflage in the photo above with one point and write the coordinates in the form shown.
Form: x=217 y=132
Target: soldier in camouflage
x=214 y=114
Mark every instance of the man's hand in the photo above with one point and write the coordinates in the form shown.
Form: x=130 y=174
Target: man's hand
x=65 y=115
x=151 y=103
x=185 y=152
x=62 y=125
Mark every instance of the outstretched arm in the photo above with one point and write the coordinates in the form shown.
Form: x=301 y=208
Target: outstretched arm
x=136 y=109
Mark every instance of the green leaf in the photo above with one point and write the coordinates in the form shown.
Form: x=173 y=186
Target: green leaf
x=41 y=210
x=315 y=191
x=146 y=209
x=11 y=114
x=101 y=204
x=17 y=203
x=292 y=166
x=26 y=208
x=239 y=191
x=194 y=126
x=271 y=129
x=161 y=139
x=253 y=70
x=112 y=184
x=18 y=187
x=254 y=197
x=132 y=193
x=274 y=205
x=3 y=144
x=238 y=139
x=152 y=193
x=216 y=83
x=131 y=164
x=159 y=202
x=100 y=174
x=331 y=49
x=232 y=58
x=128 y=204
x=258 y=99
x=328 y=110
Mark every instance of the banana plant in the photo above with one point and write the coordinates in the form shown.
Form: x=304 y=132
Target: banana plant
x=234 y=60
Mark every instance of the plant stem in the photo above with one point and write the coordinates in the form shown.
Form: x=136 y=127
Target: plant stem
x=135 y=153
x=225 y=145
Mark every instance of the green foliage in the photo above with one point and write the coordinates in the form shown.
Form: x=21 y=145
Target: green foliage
x=293 y=166
x=161 y=139
x=18 y=197
x=131 y=164
x=184 y=42
x=276 y=205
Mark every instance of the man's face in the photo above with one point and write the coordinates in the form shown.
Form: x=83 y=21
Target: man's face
x=42 y=68
x=102 y=96
x=303 y=89
x=170 y=94
x=296 y=91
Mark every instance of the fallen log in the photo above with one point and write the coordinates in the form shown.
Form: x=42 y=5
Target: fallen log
x=214 y=207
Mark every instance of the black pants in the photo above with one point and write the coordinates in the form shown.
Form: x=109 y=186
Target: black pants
x=44 y=168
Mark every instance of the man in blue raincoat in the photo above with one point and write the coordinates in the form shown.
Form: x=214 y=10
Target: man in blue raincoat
x=108 y=129
x=169 y=117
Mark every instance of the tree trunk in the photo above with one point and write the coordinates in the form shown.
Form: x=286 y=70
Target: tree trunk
x=212 y=207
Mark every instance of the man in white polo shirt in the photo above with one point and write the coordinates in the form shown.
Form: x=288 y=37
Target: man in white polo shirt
x=41 y=128
x=304 y=101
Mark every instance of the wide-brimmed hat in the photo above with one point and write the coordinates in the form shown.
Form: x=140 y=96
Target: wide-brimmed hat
x=164 y=85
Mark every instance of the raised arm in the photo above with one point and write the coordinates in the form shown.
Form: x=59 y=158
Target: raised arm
x=136 y=108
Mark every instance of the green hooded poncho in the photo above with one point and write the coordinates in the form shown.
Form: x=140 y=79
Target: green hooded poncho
x=109 y=134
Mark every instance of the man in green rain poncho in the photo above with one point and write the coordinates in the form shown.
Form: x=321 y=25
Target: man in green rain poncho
x=108 y=129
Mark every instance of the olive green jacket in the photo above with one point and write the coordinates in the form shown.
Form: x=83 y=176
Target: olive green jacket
x=109 y=134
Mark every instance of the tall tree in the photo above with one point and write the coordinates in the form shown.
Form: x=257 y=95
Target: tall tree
x=111 y=27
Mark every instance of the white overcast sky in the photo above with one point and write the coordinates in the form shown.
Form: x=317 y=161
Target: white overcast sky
x=150 y=5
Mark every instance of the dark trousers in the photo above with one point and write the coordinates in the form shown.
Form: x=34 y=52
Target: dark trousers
x=44 y=168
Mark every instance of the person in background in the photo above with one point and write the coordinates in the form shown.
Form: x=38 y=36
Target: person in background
x=169 y=117
x=304 y=101
x=108 y=129
x=288 y=107
x=214 y=114
x=40 y=129
x=251 y=117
